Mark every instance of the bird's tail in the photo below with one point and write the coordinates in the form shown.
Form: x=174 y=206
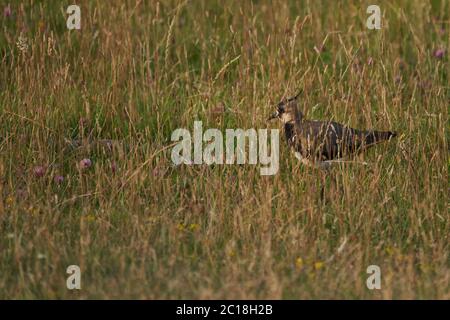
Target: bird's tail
x=374 y=137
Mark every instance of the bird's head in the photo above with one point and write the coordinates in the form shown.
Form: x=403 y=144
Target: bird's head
x=287 y=110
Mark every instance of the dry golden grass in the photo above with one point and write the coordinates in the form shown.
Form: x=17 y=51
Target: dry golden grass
x=141 y=228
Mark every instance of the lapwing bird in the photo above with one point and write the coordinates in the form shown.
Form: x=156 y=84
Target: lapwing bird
x=320 y=144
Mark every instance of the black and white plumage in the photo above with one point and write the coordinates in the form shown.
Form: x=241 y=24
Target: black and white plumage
x=322 y=143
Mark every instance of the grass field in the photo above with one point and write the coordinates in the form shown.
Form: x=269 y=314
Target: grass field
x=113 y=92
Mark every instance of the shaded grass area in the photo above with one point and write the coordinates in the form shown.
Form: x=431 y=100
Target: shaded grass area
x=141 y=228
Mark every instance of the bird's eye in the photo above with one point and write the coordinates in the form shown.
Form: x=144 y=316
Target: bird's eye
x=280 y=108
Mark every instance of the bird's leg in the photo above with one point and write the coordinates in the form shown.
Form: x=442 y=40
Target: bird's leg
x=334 y=184
x=322 y=192
x=323 y=182
x=338 y=187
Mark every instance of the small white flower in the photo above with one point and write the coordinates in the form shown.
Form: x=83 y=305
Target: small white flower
x=41 y=256
x=22 y=43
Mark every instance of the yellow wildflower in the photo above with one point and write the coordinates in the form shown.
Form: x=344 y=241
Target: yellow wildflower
x=231 y=253
x=390 y=250
x=32 y=210
x=318 y=265
x=194 y=227
x=9 y=200
x=299 y=263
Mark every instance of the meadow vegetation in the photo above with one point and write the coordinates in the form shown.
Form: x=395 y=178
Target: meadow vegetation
x=86 y=178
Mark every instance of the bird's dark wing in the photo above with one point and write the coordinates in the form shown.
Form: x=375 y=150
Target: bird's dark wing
x=328 y=140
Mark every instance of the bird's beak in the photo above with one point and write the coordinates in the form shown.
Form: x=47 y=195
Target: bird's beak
x=273 y=116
